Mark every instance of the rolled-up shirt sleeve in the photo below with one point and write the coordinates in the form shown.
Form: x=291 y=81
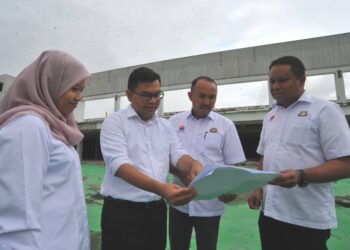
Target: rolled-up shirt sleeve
x=114 y=144
x=24 y=157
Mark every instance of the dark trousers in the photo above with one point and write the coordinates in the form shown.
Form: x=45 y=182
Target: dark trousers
x=133 y=226
x=277 y=235
x=180 y=230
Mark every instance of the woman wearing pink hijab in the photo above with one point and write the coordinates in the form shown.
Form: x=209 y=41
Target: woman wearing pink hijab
x=42 y=203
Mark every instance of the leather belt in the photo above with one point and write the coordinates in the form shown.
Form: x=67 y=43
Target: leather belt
x=148 y=204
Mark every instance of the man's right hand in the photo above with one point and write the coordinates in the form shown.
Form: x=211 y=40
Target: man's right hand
x=176 y=195
x=255 y=199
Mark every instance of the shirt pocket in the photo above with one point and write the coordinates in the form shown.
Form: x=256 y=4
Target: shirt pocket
x=300 y=133
x=211 y=141
x=211 y=147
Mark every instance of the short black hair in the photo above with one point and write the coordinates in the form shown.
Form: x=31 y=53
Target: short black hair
x=296 y=65
x=142 y=75
x=207 y=78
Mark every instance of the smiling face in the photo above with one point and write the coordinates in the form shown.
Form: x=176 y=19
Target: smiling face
x=145 y=107
x=67 y=102
x=203 y=98
x=285 y=87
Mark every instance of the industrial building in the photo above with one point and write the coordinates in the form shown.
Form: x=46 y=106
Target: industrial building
x=327 y=60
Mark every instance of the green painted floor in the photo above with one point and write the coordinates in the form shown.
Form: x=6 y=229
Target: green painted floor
x=238 y=228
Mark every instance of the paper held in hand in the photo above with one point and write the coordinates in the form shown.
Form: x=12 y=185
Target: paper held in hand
x=216 y=180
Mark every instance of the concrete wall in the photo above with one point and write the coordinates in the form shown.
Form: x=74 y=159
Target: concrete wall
x=323 y=53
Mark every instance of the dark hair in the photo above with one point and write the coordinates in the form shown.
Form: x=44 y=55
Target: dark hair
x=142 y=75
x=194 y=82
x=296 y=65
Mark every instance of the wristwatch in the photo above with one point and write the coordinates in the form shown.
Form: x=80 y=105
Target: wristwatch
x=303 y=182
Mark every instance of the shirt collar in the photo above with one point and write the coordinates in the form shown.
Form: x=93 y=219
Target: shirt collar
x=209 y=116
x=130 y=112
x=305 y=97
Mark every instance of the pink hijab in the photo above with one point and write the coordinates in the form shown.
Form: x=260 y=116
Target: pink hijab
x=37 y=88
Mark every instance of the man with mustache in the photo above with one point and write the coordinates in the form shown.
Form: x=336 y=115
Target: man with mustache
x=211 y=139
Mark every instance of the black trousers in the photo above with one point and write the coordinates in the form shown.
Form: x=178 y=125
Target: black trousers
x=130 y=225
x=180 y=230
x=277 y=235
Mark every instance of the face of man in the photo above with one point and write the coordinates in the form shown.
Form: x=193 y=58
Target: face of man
x=145 y=99
x=203 y=98
x=285 y=87
x=67 y=102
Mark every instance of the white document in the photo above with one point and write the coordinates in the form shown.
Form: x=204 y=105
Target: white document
x=216 y=180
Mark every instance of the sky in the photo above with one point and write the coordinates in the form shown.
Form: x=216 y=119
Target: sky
x=110 y=34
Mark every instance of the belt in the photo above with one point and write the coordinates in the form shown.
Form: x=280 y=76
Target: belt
x=149 y=204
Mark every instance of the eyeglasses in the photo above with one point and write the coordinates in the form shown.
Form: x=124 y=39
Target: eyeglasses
x=148 y=96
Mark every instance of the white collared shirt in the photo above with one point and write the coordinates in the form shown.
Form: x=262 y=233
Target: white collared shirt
x=306 y=134
x=210 y=140
x=42 y=204
x=149 y=146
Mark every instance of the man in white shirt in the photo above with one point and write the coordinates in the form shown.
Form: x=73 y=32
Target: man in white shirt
x=210 y=138
x=138 y=147
x=307 y=140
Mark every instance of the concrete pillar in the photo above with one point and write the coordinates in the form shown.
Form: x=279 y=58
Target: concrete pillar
x=340 y=87
x=80 y=150
x=116 y=102
x=97 y=148
x=271 y=100
x=79 y=112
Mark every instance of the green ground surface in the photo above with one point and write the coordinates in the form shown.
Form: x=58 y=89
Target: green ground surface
x=238 y=228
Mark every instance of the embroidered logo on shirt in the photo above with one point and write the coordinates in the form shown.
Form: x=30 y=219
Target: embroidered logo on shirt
x=213 y=130
x=302 y=114
x=272 y=117
x=181 y=128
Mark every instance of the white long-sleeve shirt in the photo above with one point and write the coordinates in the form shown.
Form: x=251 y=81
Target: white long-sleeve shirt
x=42 y=203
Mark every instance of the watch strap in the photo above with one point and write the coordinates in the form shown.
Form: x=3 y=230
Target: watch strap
x=303 y=182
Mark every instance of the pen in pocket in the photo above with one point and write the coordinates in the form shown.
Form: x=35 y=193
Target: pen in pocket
x=205 y=134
